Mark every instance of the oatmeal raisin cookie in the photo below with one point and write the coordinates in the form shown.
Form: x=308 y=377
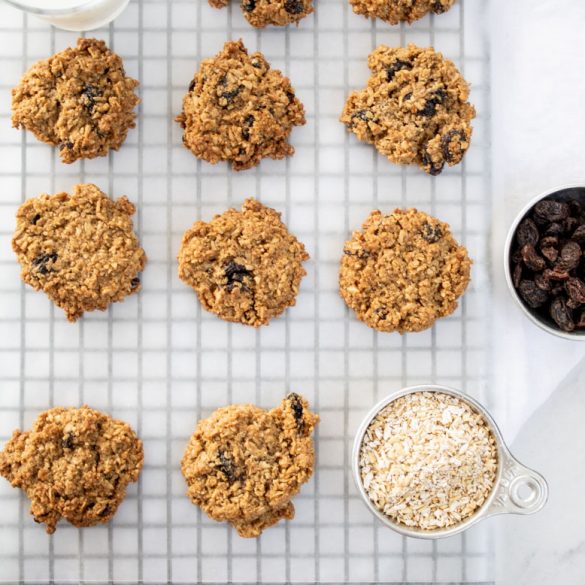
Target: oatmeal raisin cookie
x=74 y=463
x=414 y=109
x=239 y=110
x=245 y=266
x=403 y=271
x=80 y=249
x=243 y=464
x=79 y=100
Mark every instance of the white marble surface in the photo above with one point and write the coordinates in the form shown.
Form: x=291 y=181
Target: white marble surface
x=538 y=96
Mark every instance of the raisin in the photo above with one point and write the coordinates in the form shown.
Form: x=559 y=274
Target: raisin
x=35 y=219
x=446 y=143
x=247 y=125
x=579 y=234
x=291 y=97
x=550 y=210
x=438 y=8
x=192 y=85
x=531 y=259
x=430 y=107
x=382 y=313
x=398 y=65
x=517 y=275
x=561 y=314
x=227 y=95
x=576 y=208
x=557 y=290
x=570 y=256
x=363 y=115
x=294 y=6
x=550 y=253
x=434 y=169
x=67 y=442
x=227 y=467
x=41 y=261
x=297 y=407
x=555 y=229
x=570 y=224
x=534 y=296
x=556 y=274
x=134 y=283
x=431 y=233
x=527 y=233
x=542 y=282
x=248 y=6
x=88 y=95
x=235 y=273
x=573 y=304
x=575 y=288
x=549 y=242
x=65 y=145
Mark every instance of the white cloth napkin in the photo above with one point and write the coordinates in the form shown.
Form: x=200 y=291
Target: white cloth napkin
x=538 y=136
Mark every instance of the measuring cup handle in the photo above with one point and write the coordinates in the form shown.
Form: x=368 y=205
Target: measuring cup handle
x=521 y=490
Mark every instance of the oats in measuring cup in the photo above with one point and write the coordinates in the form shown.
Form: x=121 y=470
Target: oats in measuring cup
x=428 y=460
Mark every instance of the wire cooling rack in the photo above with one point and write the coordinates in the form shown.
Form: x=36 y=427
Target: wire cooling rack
x=159 y=362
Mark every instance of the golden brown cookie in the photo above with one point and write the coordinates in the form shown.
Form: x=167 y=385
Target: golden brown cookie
x=245 y=266
x=79 y=100
x=261 y=13
x=80 y=249
x=414 y=109
x=243 y=464
x=75 y=463
x=395 y=11
x=403 y=271
x=239 y=110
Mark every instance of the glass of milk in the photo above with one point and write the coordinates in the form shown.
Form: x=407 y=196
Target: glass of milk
x=76 y=15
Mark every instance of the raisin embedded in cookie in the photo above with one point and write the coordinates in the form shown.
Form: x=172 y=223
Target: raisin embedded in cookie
x=403 y=271
x=245 y=266
x=261 y=13
x=239 y=110
x=75 y=463
x=414 y=109
x=243 y=464
x=395 y=11
x=80 y=249
x=79 y=100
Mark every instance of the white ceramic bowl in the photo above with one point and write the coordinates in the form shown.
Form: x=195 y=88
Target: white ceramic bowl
x=517 y=489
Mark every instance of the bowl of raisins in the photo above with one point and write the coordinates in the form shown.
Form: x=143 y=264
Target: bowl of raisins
x=545 y=262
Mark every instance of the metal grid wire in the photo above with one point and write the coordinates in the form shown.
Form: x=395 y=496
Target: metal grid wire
x=161 y=363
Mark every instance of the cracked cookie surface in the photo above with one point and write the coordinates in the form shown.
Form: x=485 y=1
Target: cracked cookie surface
x=245 y=266
x=261 y=13
x=80 y=249
x=74 y=463
x=239 y=110
x=396 y=11
x=79 y=100
x=403 y=271
x=414 y=109
x=243 y=464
